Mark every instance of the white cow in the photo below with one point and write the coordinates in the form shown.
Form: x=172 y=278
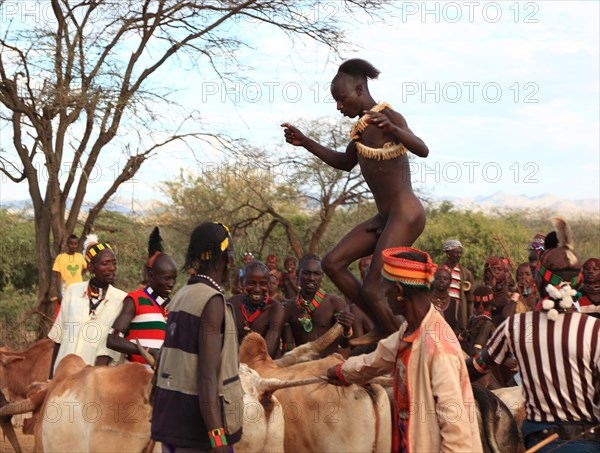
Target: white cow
x=94 y=409
x=322 y=417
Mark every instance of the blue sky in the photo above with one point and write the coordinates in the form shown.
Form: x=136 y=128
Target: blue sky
x=505 y=94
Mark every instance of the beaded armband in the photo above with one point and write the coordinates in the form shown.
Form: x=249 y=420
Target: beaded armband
x=217 y=437
x=479 y=364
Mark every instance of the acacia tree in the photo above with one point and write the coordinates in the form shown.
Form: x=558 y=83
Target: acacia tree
x=75 y=78
x=258 y=193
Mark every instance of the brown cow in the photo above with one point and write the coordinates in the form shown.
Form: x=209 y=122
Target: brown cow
x=17 y=371
x=113 y=400
x=323 y=417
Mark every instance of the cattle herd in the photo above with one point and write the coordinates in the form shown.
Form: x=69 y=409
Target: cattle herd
x=288 y=405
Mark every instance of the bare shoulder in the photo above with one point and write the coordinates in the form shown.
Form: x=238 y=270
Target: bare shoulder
x=335 y=300
x=290 y=306
x=395 y=117
x=236 y=301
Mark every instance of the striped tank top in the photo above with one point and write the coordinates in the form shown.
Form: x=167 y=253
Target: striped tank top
x=149 y=323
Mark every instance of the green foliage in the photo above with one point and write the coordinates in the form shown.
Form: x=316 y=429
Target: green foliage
x=17 y=327
x=477 y=232
x=18 y=267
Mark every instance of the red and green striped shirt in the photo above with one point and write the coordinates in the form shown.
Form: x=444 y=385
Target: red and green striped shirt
x=149 y=323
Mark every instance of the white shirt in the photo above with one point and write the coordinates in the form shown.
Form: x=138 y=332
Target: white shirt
x=78 y=332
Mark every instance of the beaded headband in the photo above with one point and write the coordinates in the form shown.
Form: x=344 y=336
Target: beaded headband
x=407 y=272
x=483 y=299
x=95 y=249
x=553 y=279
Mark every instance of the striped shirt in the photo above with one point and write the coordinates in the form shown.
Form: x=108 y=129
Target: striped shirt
x=149 y=322
x=559 y=362
x=454 y=289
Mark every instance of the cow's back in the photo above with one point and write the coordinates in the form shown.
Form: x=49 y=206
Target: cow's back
x=96 y=409
x=328 y=418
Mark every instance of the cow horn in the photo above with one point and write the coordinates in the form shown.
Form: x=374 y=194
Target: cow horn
x=270 y=385
x=20 y=407
x=145 y=354
x=311 y=350
x=328 y=337
x=384 y=381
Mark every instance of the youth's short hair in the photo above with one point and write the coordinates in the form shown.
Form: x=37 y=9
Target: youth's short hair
x=359 y=67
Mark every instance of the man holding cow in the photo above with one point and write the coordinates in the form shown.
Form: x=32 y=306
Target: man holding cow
x=424 y=355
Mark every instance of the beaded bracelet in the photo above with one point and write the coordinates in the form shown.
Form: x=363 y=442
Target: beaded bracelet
x=288 y=346
x=479 y=364
x=349 y=334
x=217 y=437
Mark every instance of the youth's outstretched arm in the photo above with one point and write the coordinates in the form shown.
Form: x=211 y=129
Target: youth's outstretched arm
x=342 y=161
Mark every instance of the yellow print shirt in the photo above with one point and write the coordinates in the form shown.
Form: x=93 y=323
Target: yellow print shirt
x=70 y=267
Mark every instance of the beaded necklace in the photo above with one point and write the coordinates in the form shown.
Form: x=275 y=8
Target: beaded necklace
x=251 y=312
x=160 y=301
x=95 y=296
x=306 y=309
x=211 y=281
x=388 y=151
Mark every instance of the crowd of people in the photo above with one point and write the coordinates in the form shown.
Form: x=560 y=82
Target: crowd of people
x=432 y=327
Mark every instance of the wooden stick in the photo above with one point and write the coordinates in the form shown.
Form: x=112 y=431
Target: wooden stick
x=543 y=443
x=497 y=238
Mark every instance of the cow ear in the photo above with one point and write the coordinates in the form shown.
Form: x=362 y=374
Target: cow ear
x=7 y=359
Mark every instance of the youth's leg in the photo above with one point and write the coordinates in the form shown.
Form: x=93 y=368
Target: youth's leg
x=399 y=231
x=357 y=243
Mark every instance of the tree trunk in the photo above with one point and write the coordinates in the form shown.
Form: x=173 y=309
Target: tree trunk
x=45 y=308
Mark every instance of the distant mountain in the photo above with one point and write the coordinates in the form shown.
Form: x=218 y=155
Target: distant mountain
x=500 y=201
x=120 y=205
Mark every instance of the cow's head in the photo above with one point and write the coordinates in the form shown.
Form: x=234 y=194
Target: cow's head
x=8 y=361
x=34 y=401
x=253 y=350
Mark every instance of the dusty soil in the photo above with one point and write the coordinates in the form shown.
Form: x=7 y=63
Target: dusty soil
x=25 y=441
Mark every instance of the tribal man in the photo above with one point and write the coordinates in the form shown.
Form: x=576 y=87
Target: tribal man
x=312 y=312
x=144 y=313
x=461 y=304
x=590 y=288
x=255 y=310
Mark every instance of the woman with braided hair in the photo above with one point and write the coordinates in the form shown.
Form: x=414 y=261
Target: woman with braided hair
x=380 y=142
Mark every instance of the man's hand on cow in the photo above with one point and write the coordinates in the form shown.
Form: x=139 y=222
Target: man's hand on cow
x=333 y=378
x=511 y=364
